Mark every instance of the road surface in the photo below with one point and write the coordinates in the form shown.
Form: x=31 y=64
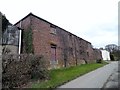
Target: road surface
x=94 y=79
x=113 y=80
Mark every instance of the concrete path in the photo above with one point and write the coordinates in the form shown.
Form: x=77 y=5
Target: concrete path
x=94 y=79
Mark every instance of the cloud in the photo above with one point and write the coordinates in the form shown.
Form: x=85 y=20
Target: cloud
x=93 y=20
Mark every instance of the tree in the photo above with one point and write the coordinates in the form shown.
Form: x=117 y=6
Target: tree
x=111 y=47
x=112 y=57
x=5 y=23
x=114 y=51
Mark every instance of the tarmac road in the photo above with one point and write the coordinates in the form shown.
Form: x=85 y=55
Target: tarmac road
x=114 y=79
x=94 y=79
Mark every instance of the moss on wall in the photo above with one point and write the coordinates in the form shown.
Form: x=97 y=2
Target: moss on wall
x=27 y=36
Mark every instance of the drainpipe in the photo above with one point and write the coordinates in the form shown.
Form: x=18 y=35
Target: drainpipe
x=20 y=41
x=19 y=51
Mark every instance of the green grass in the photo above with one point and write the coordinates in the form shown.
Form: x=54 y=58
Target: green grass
x=60 y=76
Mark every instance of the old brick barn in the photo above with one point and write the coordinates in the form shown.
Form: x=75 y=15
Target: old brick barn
x=59 y=47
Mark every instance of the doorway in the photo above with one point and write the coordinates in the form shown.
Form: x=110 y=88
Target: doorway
x=53 y=60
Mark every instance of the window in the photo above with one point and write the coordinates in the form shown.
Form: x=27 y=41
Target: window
x=52 y=29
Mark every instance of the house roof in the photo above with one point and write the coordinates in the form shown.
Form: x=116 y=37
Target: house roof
x=31 y=14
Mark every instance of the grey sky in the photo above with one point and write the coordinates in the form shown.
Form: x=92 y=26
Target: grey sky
x=93 y=20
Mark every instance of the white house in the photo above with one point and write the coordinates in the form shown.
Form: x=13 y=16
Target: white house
x=105 y=55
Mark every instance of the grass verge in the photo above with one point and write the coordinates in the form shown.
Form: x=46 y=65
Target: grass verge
x=63 y=75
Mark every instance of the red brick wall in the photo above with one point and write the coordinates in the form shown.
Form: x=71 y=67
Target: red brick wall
x=25 y=24
x=97 y=54
x=70 y=49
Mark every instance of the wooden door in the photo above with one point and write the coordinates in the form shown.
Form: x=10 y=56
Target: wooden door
x=53 y=56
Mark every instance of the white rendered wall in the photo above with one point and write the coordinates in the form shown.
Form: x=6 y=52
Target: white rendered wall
x=105 y=55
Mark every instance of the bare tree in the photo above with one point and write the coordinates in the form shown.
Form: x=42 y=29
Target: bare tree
x=111 y=47
x=114 y=50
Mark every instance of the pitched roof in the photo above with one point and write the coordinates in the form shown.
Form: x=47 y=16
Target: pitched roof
x=31 y=14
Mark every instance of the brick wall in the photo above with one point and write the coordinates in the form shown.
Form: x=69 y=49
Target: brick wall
x=97 y=54
x=70 y=49
x=25 y=25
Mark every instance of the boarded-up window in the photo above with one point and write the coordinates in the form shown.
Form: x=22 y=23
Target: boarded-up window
x=53 y=29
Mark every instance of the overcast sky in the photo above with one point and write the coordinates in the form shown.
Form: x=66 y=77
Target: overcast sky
x=93 y=20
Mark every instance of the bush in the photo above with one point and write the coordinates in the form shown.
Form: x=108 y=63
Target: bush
x=19 y=69
x=112 y=57
x=38 y=69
